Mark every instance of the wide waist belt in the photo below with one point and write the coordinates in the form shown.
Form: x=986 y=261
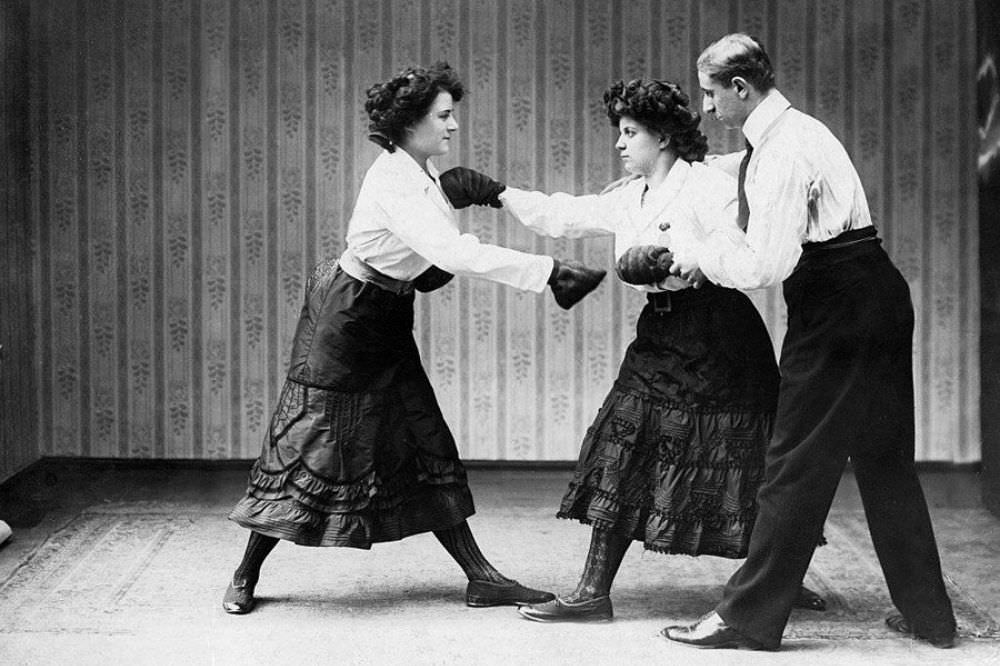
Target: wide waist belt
x=844 y=239
x=359 y=270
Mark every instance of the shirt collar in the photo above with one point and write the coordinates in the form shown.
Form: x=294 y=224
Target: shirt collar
x=762 y=117
x=405 y=163
x=671 y=185
x=405 y=167
x=659 y=198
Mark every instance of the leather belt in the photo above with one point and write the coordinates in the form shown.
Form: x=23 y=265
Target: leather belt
x=359 y=270
x=682 y=299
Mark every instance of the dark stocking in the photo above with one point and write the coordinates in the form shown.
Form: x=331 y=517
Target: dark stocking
x=607 y=549
x=258 y=548
x=462 y=546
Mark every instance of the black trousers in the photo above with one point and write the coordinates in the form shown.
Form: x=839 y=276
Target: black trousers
x=846 y=392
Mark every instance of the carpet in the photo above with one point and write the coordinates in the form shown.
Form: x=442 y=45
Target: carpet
x=118 y=569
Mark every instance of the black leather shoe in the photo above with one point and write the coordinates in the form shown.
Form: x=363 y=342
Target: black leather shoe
x=239 y=598
x=809 y=600
x=710 y=631
x=558 y=610
x=482 y=593
x=901 y=625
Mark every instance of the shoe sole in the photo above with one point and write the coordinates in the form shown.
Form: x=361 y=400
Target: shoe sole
x=729 y=645
x=579 y=619
x=477 y=603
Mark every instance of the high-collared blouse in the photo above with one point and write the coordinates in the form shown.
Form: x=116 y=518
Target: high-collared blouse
x=403 y=223
x=693 y=198
x=800 y=186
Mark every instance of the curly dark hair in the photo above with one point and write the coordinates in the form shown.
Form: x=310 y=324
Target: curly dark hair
x=661 y=107
x=398 y=103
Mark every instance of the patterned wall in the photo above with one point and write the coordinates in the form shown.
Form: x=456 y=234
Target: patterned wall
x=18 y=434
x=193 y=158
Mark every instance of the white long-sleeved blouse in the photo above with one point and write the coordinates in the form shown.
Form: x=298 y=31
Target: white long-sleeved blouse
x=403 y=223
x=694 y=198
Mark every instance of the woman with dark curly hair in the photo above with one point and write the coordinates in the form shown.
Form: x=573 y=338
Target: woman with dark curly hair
x=357 y=450
x=676 y=453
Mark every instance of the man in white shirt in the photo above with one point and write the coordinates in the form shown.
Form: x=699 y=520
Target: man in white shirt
x=846 y=367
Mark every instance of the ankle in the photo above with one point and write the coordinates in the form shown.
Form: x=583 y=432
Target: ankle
x=245 y=578
x=491 y=577
x=584 y=593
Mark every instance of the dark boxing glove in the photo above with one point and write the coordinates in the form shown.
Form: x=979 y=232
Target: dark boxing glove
x=571 y=281
x=644 y=264
x=465 y=187
x=431 y=279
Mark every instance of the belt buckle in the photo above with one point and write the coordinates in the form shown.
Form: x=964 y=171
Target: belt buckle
x=662 y=302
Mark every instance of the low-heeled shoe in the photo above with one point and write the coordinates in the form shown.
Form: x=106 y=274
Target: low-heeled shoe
x=809 y=600
x=239 y=598
x=711 y=631
x=901 y=625
x=598 y=609
x=483 y=593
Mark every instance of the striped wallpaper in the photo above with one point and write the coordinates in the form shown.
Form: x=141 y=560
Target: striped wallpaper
x=191 y=159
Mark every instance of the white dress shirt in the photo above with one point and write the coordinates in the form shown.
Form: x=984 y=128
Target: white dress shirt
x=801 y=186
x=693 y=197
x=402 y=224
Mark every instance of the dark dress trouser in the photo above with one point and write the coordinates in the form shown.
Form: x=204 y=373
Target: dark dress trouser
x=846 y=392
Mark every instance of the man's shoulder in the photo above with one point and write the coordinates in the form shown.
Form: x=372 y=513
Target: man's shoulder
x=711 y=175
x=798 y=133
x=794 y=122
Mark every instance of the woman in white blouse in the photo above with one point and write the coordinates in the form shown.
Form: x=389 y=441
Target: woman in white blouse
x=676 y=453
x=357 y=451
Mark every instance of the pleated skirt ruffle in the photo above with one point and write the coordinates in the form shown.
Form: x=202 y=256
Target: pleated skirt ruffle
x=368 y=457
x=675 y=455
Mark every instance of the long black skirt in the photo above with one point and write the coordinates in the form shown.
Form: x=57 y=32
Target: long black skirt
x=675 y=455
x=364 y=455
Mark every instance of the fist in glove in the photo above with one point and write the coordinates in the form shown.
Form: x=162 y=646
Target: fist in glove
x=431 y=279
x=644 y=264
x=465 y=187
x=570 y=281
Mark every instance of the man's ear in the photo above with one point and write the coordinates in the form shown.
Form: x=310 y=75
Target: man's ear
x=741 y=86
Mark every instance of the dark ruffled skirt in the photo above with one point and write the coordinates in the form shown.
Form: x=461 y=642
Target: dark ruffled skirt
x=375 y=462
x=676 y=454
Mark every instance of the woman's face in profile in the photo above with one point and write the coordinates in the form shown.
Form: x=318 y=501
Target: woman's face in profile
x=638 y=147
x=431 y=135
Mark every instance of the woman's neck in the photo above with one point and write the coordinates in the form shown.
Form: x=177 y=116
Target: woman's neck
x=419 y=158
x=660 y=170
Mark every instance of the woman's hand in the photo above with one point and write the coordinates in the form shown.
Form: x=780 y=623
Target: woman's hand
x=431 y=279
x=571 y=281
x=464 y=187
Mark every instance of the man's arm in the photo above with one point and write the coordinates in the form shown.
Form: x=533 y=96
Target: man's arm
x=767 y=253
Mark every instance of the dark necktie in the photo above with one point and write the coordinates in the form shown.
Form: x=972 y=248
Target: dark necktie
x=743 y=214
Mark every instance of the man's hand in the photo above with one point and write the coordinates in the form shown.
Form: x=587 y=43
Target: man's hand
x=686 y=266
x=697 y=278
